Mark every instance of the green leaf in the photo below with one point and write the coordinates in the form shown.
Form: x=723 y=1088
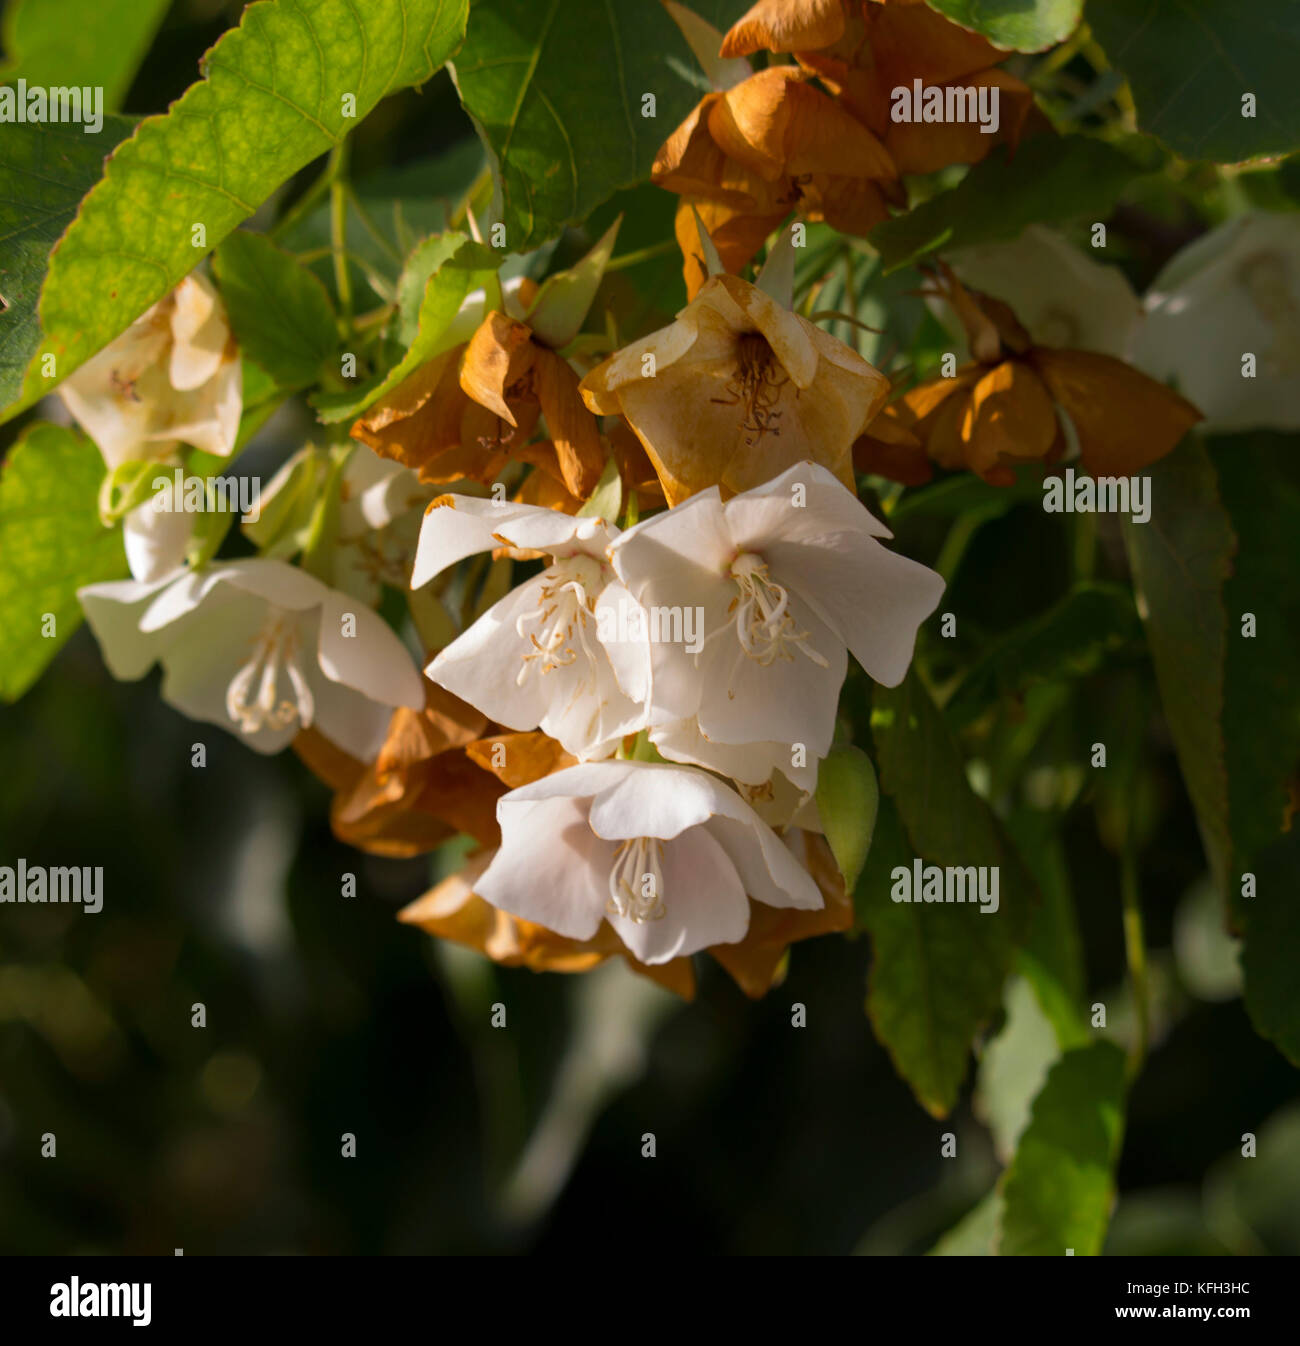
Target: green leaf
x=561 y=305
x=51 y=543
x=606 y=501
x=1058 y=1191
x=1189 y=63
x=278 y=310
x=1047 y=180
x=556 y=90
x=938 y=968
x=272 y=101
x=1051 y=960
x=1070 y=640
x=1259 y=484
x=44 y=172
x=69 y=43
x=1014 y=1066
x=848 y=799
x=975 y=1234
x=468 y=267
x=1180 y=560
x=424 y=261
x=1014 y=25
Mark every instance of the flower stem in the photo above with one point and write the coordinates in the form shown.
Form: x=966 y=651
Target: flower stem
x=1135 y=953
x=339 y=228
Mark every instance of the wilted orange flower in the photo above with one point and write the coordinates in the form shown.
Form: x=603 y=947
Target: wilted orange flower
x=741 y=389
x=470 y=410
x=863 y=50
x=423 y=786
x=750 y=155
x=452 y=910
x=1001 y=409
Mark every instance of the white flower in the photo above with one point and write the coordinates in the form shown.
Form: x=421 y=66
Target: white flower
x=788 y=576
x=666 y=854
x=1062 y=297
x=536 y=658
x=261 y=649
x=156 y=540
x=1234 y=292
x=173 y=377
x=380 y=504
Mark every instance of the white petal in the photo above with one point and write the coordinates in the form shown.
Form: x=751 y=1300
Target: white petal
x=549 y=869
x=771 y=875
x=874 y=599
x=482 y=666
x=201 y=658
x=155 y=540
x=703 y=898
x=451 y=532
x=791 y=700
x=356 y=722
x=649 y=799
x=372 y=660
x=113 y=612
x=752 y=763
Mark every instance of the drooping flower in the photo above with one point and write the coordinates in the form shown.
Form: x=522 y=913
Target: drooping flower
x=423 y=786
x=863 y=50
x=1235 y=292
x=453 y=910
x=537 y=658
x=749 y=155
x=1062 y=297
x=172 y=378
x=787 y=578
x=736 y=390
x=667 y=855
x=473 y=408
x=1001 y=409
x=261 y=649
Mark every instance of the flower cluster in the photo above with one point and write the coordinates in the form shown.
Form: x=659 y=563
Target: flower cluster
x=633 y=571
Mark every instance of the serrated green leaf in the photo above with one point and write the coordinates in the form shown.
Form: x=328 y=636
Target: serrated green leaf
x=469 y=267
x=51 y=543
x=848 y=799
x=937 y=968
x=69 y=43
x=279 y=312
x=1045 y=181
x=556 y=90
x=44 y=172
x=1189 y=62
x=1058 y=1191
x=1014 y=25
x=1070 y=640
x=272 y=101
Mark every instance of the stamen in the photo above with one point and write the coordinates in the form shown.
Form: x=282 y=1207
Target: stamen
x=636 y=881
x=756 y=385
x=568 y=601
x=760 y=614
x=275 y=649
